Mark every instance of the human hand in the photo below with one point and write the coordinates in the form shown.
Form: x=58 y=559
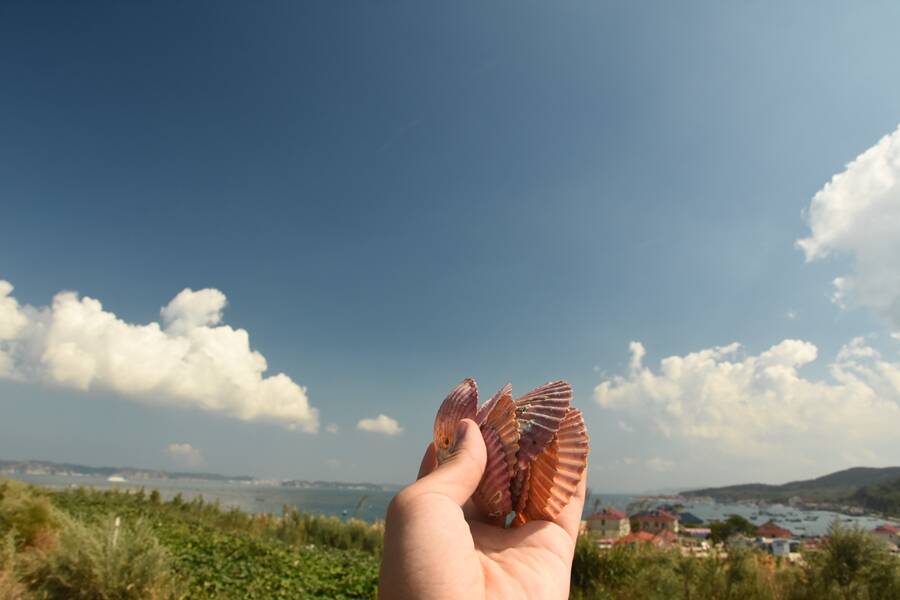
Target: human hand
x=437 y=544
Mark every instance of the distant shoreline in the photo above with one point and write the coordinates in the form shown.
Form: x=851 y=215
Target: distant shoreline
x=136 y=475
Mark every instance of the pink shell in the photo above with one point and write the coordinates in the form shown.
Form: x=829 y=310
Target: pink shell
x=557 y=471
x=540 y=413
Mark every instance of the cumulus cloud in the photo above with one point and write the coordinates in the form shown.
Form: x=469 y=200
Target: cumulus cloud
x=625 y=427
x=857 y=214
x=184 y=455
x=331 y=428
x=380 y=424
x=761 y=406
x=190 y=360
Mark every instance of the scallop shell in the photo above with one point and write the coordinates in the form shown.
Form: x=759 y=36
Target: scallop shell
x=556 y=472
x=499 y=415
x=492 y=495
x=459 y=404
x=540 y=413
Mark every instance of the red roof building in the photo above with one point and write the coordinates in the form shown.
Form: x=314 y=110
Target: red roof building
x=664 y=538
x=609 y=524
x=655 y=521
x=770 y=529
x=608 y=514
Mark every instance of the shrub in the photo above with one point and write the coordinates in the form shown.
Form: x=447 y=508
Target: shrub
x=851 y=564
x=25 y=514
x=104 y=561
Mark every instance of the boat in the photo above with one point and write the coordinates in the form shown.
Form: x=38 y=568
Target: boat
x=116 y=479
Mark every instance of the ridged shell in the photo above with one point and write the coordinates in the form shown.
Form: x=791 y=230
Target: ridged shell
x=555 y=474
x=540 y=413
x=499 y=415
x=461 y=403
x=492 y=495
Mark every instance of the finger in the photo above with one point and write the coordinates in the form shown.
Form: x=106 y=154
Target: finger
x=570 y=517
x=429 y=462
x=458 y=476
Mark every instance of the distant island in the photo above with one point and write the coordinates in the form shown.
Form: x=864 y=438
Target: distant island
x=861 y=488
x=43 y=467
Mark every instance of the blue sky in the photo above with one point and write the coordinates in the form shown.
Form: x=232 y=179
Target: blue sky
x=394 y=196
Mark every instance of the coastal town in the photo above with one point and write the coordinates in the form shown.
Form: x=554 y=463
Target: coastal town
x=670 y=526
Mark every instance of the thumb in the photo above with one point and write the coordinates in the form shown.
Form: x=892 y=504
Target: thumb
x=459 y=475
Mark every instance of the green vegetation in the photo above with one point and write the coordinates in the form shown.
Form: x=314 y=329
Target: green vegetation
x=108 y=545
x=882 y=497
x=851 y=565
x=720 y=531
x=842 y=486
x=112 y=545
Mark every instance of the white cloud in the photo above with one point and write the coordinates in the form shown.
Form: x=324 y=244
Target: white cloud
x=331 y=428
x=718 y=402
x=184 y=455
x=857 y=214
x=659 y=464
x=637 y=355
x=193 y=361
x=625 y=427
x=380 y=424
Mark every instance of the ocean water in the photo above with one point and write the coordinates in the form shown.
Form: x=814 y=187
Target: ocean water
x=372 y=505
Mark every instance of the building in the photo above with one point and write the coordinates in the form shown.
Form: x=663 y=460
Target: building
x=608 y=524
x=663 y=538
x=700 y=533
x=687 y=519
x=889 y=534
x=655 y=521
x=780 y=547
x=770 y=529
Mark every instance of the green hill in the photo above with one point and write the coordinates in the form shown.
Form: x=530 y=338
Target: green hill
x=841 y=486
x=882 y=497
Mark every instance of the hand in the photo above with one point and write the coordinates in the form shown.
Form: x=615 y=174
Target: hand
x=436 y=544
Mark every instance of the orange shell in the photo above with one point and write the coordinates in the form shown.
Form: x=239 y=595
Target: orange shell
x=540 y=413
x=556 y=472
x=499 y=414
x=492 y=495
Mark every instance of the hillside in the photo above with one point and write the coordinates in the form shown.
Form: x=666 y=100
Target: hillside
x=839 y=486
x=881 y=497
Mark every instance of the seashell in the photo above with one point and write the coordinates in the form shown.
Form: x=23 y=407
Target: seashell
x=461 y=403
x=537 y=448
x=492 y=495
x=540 y=413
x=556 y=472
x=499 y=414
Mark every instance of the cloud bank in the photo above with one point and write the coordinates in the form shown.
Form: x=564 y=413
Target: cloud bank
x=857 y=214
x=184 y=455
x=189 y=359
x=380 y=424
x=760 y=406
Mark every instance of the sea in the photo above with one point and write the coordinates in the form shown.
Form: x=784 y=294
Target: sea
x=371 y=505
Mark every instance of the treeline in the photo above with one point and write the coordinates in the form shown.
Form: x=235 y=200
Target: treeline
x=851 y=565
x=881 y=497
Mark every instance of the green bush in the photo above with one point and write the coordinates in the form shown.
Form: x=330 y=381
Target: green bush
x=24 y=514
x=851 y=564
x=110 y=560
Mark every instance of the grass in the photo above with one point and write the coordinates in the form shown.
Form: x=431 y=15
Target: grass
x=176 y=549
